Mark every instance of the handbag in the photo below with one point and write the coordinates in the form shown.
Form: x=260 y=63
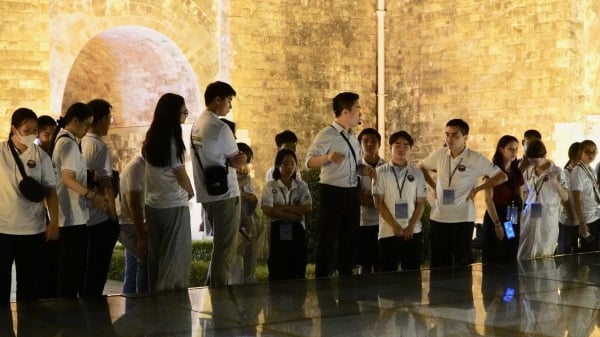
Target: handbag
x=30 y=188
x=215 y=177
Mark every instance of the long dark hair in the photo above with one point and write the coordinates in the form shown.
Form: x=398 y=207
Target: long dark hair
x=281 y=154
x=498 y=159
x=165 y=126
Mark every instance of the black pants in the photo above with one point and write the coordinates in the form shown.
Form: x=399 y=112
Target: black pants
x=25 y=251
x=396 y=251
x=287 y=258
x=593 y=245
x=367 y=253
x=340 y=219
x=72 y=258
x=49 y=269
x=494 y=250
x=101 y=243
x=451 y=243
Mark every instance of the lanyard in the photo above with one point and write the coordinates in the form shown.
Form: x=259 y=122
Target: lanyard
x=284 y=195
x=400 y=189
x=592 y=179
x=537 y=185
x=349 y=145
x=451 y=174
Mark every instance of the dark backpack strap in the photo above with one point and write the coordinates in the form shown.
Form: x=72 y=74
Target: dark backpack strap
x=17 y=158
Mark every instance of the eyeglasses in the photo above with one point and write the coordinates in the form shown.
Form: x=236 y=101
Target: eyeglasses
x=185 y=113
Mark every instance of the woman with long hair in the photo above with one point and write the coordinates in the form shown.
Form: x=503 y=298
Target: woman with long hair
x=503 y=203
x=73 y=197
x=167 y=200
x=286 y=200
x=23 y=227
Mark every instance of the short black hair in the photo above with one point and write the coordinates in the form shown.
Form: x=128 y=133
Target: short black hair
x=247 y=151
x=217 y=89
x=369 y=131
x=459 y=123
x=286 y=136
x=344 y=100
x=45 y=121
x=536 y=149
x=532 y=133
x=401 y=134
x=100 y=108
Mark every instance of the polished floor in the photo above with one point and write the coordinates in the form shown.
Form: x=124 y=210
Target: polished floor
x=547 y=297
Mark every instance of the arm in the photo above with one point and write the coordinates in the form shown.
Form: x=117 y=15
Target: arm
x=386 y=215
x=68 y=178
x=184 y=180
x=493 y=213
x=280 y=212
x=317 y=162
x=578 y=216
x=563 y=193
x=427 y=176
x=366 y=199
x=135 y=200
x=52 y=206
x=416 y=216
x=490 y=183
x=106 y=189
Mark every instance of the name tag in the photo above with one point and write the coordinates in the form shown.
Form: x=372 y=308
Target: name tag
x=512 y=214
x=401 y=209
x=536 y=210
x=448 y=197
x=285 y=231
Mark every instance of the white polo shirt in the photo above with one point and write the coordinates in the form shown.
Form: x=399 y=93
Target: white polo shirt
x=583 y=179
x=72 y=210
x=163 y=190
x=19 y=216
x=368 y=214
x=410 y=181
x=466 y=170
x=132 y=179
x=275 y=193
x=99 y=159
x=214 y=143
x=331 y=139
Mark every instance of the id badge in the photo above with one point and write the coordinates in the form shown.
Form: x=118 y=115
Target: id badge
x=285 y=231
x=401 y=209
x=512 y=214
x=448 y=197
x=536 y=210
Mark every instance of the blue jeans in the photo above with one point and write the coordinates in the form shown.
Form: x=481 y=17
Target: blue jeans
x=136 y=276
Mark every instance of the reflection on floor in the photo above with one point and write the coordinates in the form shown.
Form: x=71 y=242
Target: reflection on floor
x=547 y=297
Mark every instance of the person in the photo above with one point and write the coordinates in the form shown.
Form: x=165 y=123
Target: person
x=400 y=188
x=286 y=200
x=103 y=226
x=367 y=247
x=134 y=230
x=49 y=257
x=244 y=263
x=214 y=145
x=336 y=151
x=586 y=198
x=503 y=203
x=167 y=208
x=568 y=239
x=528 y=137
x=23 y=225
x=546 y=188
x=453 y=213
x=73 y=198
x=286 y=139
x=46 y=126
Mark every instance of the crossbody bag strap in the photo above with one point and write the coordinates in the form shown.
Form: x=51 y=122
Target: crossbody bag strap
x=17 y=158
x=198 y=155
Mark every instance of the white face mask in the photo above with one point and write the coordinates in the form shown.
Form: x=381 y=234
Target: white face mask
x=26 y=140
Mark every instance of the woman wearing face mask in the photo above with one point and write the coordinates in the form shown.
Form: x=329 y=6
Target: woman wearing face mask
x=546 y=189
x=23 y=228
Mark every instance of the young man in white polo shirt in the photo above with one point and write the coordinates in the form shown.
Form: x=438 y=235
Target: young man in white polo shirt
x=213 y=144
x=458 y=169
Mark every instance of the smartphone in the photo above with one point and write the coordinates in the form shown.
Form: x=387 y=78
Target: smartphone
x=509 y=230
x=508 y=295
